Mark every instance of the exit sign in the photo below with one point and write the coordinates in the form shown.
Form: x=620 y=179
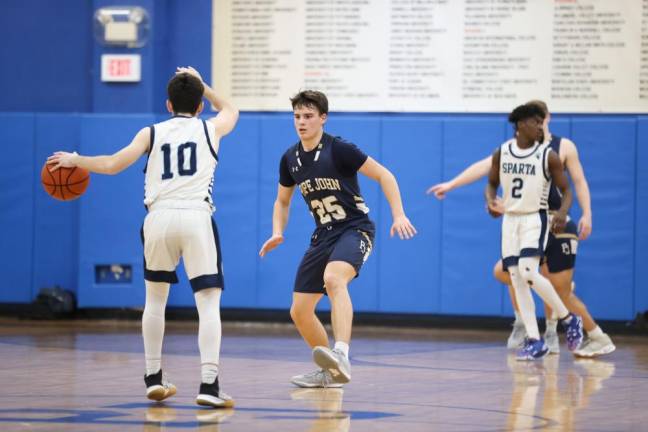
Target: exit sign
x=121 y=67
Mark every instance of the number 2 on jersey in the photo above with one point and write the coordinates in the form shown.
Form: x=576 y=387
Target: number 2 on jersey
x=327 y=209
x=182 y=169
x=517 y=185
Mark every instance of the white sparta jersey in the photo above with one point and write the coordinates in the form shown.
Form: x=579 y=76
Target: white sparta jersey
x=182 y=158
x=524 y=176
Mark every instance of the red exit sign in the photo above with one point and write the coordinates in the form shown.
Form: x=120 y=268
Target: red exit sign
x=121 y=67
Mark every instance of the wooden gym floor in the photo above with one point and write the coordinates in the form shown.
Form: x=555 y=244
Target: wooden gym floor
x=87 y=376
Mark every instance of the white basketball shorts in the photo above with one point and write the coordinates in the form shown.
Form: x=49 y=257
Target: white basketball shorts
x=523 y=235
x=190 y=233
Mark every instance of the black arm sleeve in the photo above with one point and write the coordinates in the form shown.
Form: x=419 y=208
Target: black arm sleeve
x=285 y=179
x=348 y=157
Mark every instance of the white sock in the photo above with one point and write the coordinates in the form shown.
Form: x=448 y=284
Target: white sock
x=209 y=332
x=518 y=317
x=525 y=303
x=597 y=332
x=551 y=325
x=528 y=267
x=342 y=346
x=153 y=324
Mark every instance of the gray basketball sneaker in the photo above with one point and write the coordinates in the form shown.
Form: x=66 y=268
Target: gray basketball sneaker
x=595 y=347
x=316 y=379
x=333 y=361
x=551 y=339
x=518 y=334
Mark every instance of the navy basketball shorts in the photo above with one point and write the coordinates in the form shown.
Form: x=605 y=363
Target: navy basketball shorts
x=560 y=254
x=350 y=244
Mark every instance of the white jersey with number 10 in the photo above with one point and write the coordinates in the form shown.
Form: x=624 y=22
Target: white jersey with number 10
x=181 y=162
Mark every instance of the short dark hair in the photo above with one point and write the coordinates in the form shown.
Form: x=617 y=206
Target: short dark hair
x=312 y=99
x=524 y=112
x=542 y=104
x=185 y=93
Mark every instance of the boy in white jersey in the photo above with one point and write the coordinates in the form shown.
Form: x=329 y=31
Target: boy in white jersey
x=525 y=168
x=182 y=156
x=560 y=255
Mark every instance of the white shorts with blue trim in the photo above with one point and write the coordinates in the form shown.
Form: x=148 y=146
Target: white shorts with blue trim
x=523 y=235
x=169 y=233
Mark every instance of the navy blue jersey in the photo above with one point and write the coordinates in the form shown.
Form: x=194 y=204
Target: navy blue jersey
x=327 y=178
x=555 y=197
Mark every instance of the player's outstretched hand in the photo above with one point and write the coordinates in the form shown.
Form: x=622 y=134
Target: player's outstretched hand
x=584 y=227
x=189 y=70
x=61 y=160
x=440 y=190
x=403 y=227
x=270 y=244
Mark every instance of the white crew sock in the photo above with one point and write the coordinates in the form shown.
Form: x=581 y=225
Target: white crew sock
x=343 y=347
x=153 y=324
x=525 y=303
x=209 y=332
x=596 y=333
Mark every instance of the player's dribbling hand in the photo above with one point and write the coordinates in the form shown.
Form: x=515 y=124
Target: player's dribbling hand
x=440 y=190
x=270 y=244
x=403 y=227
x=584 y=227
x=61 y=160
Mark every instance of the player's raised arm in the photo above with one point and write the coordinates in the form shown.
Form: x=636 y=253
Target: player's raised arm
x=471 y=174
x=382 y=175
x=493 y=183
x=559 y=179
x=280 y=212
x=227 y=115
x=106 y=164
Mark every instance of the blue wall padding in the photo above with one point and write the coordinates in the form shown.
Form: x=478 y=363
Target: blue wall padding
x=17 y=188
x=236 y=195
x=445 y=269
x=608 y=255
x=641 y=218
x=56 y=223
x=408 y=273
x=470 y=239
x=111 y=213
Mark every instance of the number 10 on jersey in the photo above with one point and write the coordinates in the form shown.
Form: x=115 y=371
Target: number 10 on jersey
x=183 y=170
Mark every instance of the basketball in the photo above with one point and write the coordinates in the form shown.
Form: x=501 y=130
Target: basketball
x=65 y=184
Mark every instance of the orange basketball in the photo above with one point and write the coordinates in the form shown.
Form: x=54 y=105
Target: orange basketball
x=65 y=184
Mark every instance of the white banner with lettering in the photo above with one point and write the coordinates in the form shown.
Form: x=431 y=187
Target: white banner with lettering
x=433 y=55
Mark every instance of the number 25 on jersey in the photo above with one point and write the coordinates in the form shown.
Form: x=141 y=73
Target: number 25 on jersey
x=327 y=209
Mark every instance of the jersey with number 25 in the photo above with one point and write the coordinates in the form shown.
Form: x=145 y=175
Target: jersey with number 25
x=327 y=178
x=524 y=176
x=182 y=158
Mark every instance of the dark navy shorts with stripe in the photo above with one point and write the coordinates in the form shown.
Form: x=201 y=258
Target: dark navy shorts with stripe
x=560 y=254
x=349 y=242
